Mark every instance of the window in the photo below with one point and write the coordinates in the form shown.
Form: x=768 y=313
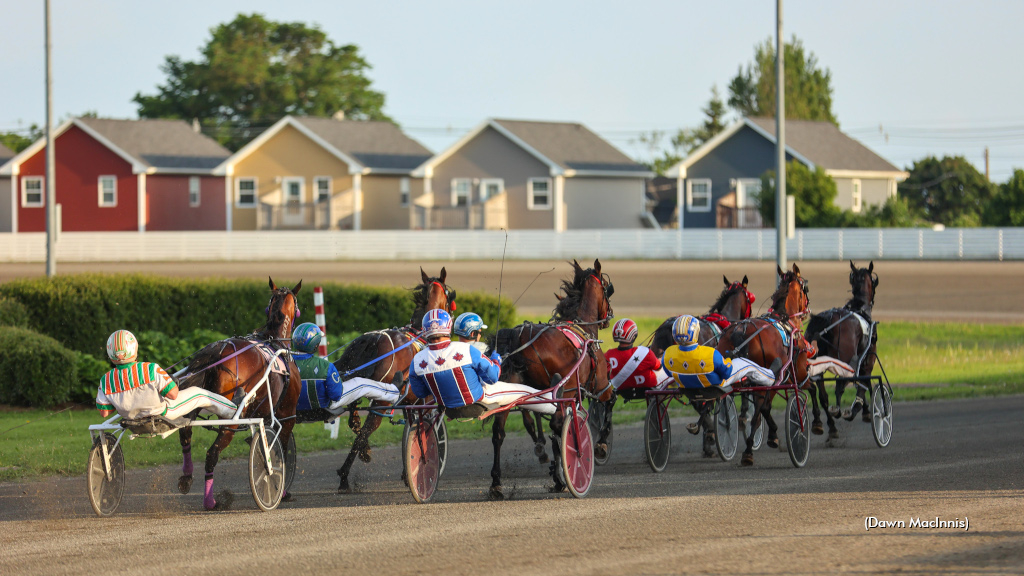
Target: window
x=245 y=193
x=107 y=191
x=461 y=188
x=32 y=194
x=491 y=187
x=538 y=194
x=855 y=205
x=403 y=192
x=748 y=190
x=193 y=191
x=322 y=185
x=294 y=190
x=698 y=194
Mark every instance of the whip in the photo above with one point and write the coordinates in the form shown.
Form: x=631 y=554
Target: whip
x=501 y=276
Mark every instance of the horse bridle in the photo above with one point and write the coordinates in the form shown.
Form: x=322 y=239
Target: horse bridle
x=449 y=293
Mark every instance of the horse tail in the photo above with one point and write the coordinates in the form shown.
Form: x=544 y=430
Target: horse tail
x=198 y=372
x=360 y=351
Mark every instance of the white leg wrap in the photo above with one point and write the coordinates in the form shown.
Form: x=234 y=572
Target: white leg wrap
x=191 y=398
x=357 y=388
x=821 y=364
x=504 y=393
x=757 y=375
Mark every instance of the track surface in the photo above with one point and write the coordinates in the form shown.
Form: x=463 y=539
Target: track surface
x=934 y=291
x=948 y=459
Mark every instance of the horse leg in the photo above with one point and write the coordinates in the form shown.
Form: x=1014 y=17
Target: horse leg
x=224 y=436
x=755 y=422
x=362 y=439
x=536 y=433
x=865 y=416
x=816 y=427
x=707 y=423
x=833 y=432
x=601 y=446
x=497 y=438
x=372 y=423
x=185 y=438
x=836 y=411
x=354 y=422
x=556 y=462
x=773 y=429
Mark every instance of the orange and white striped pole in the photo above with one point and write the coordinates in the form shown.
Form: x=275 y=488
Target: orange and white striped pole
x=321 y=321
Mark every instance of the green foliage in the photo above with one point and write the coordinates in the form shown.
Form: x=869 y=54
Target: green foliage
x=35 y=370
x=90 y=370
x=815 y=193
x=253 y=71
x=895 y=213
x=1006 y=208
x=13 y=313
x=808 y=87
x=950 y=191
x=166 y=350
x=687 y=140
x=18 y=140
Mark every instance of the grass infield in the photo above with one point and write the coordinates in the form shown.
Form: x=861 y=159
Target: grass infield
x=923 y=361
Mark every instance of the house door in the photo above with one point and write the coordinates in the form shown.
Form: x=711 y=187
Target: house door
x=293 y=209
x=747 y=192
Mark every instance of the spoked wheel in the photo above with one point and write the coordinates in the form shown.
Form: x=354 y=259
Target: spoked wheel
x=598 y=420
x=267 y=485
x=657 y=435
x=759 y=436
x=727 y=428
x=881 y=414
x=290 y=458
x=577 y=453
x=105 y=492
x=798 y=429
x=441 y=430
x=422 y=460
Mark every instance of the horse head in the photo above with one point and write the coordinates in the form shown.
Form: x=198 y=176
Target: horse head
x=432 y=294
x=864 y=282
x=735 y=300
x=791 y=298
x=282 y=310
x=587 y=298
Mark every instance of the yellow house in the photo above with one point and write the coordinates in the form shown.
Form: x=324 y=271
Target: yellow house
x=321 y=173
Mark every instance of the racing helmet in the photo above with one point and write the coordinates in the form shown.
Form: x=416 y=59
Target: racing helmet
x=437 y=322
x=624 y=331
x=467 y=323
x=306 y=337
x=686 y=330
x=122 y=347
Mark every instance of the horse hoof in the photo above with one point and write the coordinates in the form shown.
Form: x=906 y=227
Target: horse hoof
x=817 y=429
x=287 y=497
x=865 y=417
x=184 y=484
x=747 y=460
x=601 y=451
x=771 y=442
x=743 y=421
x=543 y=458
x=365 y=456
x=495 y=495
x=834 y=411
x=538 y=450
x=556 y=489
x=693 y=428
x=344 y=488
x=833 y=435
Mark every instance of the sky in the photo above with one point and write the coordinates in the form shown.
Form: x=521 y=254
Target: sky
x=910 y=77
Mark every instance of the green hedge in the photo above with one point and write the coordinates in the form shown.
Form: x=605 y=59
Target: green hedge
x=81 y=311
x=13 y=313
x=35 y=370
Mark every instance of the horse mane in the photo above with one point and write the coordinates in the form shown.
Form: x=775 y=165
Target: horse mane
x=723 y=297
x=778 y=298
x=569 y=304
x=420 y=294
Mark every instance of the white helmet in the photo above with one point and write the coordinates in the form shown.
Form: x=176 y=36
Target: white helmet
x=686 y=330
x=122 y=347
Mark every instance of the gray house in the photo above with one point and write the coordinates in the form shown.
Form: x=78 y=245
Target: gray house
x=519 y=174
x=7 y=200
x=718 y=183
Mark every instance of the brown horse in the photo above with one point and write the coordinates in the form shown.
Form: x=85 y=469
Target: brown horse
x=839 y=333
x=232 y=368
x=759 y=340
x=539 y=355
x=430 y=294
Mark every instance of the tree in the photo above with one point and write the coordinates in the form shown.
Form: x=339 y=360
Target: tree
x=18 y=140
x=808 y=87
x=950 y=191
x=1006 y=208
x=688 y=140
x=814 y=191
x=253 y=71
x=895 y=213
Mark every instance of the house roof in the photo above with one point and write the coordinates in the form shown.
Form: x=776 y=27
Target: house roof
x=379 y=146
x=567 y=148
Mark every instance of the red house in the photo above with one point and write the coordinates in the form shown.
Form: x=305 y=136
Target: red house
x=121 y=175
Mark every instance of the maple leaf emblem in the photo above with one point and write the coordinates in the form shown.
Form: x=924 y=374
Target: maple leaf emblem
x=458 y=356
x=423 y=364
x=439 y=361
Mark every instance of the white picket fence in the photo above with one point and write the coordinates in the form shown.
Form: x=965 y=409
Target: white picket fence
x=809 y=244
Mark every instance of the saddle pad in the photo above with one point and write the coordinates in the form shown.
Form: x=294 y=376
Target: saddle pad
x=573 y=336
x=865 y=328
x=782 y=330
x=278 y=365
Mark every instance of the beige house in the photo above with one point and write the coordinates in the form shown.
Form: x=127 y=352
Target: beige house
x=518 y=174
x=323 y=173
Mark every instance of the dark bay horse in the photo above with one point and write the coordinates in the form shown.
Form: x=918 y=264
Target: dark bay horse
x=841 y=334
x=232 y=368
x=759 y=340
x=539 y=355
x=430 y=294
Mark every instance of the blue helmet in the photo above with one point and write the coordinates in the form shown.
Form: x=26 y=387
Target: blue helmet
x=437 y=323
x=306 y=337
x=686 y=330
x=467 y=323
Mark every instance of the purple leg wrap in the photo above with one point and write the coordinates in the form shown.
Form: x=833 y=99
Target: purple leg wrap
x=209 y=502
x=186 y=468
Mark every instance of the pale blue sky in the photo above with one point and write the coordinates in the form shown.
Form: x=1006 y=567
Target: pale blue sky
x=941 y=77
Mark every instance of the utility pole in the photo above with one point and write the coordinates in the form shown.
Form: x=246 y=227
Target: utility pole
x=780 y=141
x=986 y=165
x=51 y=194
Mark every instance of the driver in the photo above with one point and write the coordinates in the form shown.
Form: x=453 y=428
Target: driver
x=696 y=366
x=633 y=370
x=469 y=327
x=140 y=389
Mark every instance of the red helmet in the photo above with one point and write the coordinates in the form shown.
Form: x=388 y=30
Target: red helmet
x=624 y=331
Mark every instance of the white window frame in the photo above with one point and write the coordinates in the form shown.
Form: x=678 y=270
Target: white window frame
x=856 y=196
x=484 y=197
x=255 y=192
x=455 y=190
x=195 y=189
x=99 y=188
x=689 y=195
x=403 y=192
x=893 y=189
x=284 y=189
x=24 y=191
x=743 y=185
x=530 y=204
x=316 y=188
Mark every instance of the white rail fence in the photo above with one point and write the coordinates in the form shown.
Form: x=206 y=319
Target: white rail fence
x=809 y=244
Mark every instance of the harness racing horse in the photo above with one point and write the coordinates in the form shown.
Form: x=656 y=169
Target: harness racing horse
x=430 y=294
x=232 y=368
x=540 y=355
x=844 y=333
x=761 y=340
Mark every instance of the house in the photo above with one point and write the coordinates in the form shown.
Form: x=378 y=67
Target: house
x=121 y=175
x=7 y=205
x=518 y=174
x=718 y=183
x=324 y=173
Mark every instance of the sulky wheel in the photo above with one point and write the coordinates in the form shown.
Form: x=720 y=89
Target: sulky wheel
x=105 y=492
x=267 y=484
x=727 y=428
x=421 y=459
x=881 y=414
x=759 y=436
x=798 y=429
x=441 y=430
x=290 y=459
x=577 y=453
x=657 y=435
x=598 y=420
